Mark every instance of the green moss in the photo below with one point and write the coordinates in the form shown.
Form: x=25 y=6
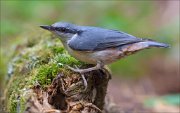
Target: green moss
x=57 y=50
x=11 y=106
x=16 y=100
x=37 y=61
x=45 y=74
x=66 y=59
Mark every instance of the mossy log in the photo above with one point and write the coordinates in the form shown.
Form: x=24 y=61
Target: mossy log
x=40 y=81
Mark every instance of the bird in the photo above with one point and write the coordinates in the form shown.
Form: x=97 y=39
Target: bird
x=98 y=46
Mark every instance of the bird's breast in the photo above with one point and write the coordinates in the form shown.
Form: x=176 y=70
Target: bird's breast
x=92 y=57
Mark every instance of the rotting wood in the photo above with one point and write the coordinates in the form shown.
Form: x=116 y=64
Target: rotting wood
x=67 y=95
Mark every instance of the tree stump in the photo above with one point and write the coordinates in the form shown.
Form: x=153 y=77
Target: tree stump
x=40 y=82
x=67 y=94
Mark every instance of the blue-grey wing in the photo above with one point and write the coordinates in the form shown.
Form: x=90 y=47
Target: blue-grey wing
x=100 y=39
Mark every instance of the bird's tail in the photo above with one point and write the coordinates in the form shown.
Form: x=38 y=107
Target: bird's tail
x=145 y=43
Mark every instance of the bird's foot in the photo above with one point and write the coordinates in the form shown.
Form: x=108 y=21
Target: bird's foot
x=77 y=70
x=81 y=73
x=98 y=66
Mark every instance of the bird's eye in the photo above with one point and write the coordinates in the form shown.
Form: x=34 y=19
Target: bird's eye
x=63 y=29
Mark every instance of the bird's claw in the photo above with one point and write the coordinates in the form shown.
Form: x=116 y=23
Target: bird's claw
x=76 y=69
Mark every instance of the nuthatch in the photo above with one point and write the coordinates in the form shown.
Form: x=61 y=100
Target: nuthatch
x=96 y=45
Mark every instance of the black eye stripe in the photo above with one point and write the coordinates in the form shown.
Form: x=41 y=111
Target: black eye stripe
x=62 y=29
x=66 y=30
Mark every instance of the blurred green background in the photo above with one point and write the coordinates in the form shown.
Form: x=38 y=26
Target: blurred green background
x=158 y=20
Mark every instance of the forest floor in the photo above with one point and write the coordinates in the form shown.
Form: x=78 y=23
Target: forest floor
x=141 y=97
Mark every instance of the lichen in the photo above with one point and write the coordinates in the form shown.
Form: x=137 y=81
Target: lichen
x=39 y=60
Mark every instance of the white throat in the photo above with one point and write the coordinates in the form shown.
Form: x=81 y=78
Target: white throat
x=72 y=38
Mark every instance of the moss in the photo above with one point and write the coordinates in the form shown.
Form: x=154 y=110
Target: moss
x=37 y=61
x=17 y=101
x=15 y=94
x=12 y=104
x=45 y=74
x=57 y=50
x=66 y=59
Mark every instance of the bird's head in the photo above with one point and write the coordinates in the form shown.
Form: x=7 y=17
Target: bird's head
x=63 y=29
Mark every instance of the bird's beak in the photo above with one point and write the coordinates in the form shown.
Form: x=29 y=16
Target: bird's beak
x=47 y=27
